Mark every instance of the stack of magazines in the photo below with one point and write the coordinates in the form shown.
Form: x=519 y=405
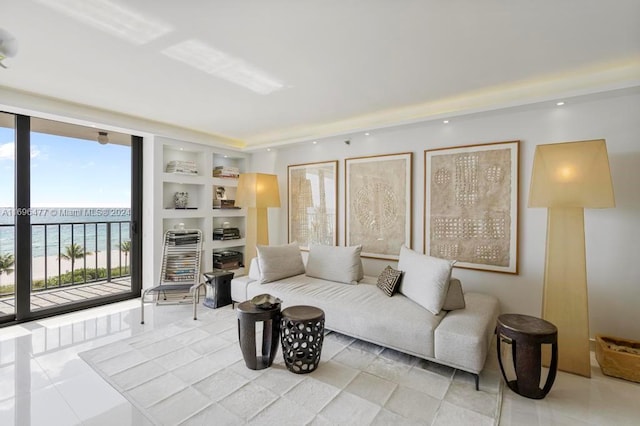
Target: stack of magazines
x=180 y=268
x=226 y=172
x=181 y=263
x=182 y=166
x=182 y=239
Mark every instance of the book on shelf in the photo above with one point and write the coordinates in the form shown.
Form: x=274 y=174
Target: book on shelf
x=182 y=166
x=226 y=172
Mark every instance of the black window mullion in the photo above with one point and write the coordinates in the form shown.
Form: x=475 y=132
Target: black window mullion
x=22 y=218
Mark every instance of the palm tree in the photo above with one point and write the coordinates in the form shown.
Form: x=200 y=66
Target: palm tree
x=6 y=263
x=125 y=247
x=72 y=252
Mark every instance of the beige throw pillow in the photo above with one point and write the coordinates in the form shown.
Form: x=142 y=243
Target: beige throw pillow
x=425 y=280
x=455 y=296
x=339 y=264
x=277 y=262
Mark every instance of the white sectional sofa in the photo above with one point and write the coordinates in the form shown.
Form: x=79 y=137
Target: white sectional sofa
x=458 y=338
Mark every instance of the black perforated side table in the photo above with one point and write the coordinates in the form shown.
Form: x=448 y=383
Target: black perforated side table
x=248 y=315
x=527 y=335
x=302 y=334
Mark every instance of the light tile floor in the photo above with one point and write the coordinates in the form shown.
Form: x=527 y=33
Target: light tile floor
x=44 y=382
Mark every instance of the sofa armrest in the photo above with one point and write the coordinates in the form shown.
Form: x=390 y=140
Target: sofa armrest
x=463 y=336
x=239 y=288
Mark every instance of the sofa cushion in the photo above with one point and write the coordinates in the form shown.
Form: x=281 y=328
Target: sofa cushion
x=455 y=296
x=425 y=280
x=388 y=280
x=339 y=264
x=276 y=262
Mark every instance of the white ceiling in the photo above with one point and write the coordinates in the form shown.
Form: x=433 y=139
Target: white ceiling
x=345 y=64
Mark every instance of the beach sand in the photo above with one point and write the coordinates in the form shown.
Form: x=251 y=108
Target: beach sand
x=38 y=265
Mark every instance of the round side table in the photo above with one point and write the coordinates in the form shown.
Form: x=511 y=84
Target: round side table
x=248 y=315
x=527 y=334
x=302 y=336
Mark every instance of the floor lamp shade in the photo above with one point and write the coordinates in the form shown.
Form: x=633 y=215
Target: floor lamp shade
x=256 y=192
x=566 y=178
x=572 y=174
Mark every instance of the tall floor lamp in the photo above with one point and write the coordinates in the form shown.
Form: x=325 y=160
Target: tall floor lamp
x=566 y=178
x=256 y=192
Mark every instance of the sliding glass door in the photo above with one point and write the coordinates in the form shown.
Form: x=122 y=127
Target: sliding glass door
x=7 y=209
x=76 y=215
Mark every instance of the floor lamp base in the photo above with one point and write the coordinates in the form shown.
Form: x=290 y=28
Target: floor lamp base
x=565 y=297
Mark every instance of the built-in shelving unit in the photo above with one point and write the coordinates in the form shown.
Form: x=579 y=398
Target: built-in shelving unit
x=203 y=191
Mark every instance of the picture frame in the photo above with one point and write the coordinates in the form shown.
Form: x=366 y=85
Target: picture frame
x=312 y=211
x=471 y=205
x=378 y=204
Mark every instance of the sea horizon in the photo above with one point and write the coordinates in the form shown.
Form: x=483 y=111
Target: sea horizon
x=86 y=226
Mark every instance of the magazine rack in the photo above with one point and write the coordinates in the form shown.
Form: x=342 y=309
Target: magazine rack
x=180 y=272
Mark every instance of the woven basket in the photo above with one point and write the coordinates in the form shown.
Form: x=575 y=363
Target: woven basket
x=619 y=357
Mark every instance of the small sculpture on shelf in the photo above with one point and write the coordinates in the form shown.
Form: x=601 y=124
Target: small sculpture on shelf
x=181 y=200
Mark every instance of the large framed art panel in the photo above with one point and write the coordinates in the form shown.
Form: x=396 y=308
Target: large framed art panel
x=471 y=205
x=312 y=203
x=378 y=204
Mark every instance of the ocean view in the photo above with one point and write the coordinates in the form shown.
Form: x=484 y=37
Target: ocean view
x=86 y=226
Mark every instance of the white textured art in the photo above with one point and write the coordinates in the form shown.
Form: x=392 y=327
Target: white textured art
x=471 y=205
x=379 y=204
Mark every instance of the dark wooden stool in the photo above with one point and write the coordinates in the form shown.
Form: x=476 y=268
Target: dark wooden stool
x=527 y=335
x=302 y=335
x=248 y=315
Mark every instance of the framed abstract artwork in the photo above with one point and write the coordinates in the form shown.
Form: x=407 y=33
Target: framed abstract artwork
x=312 y=203
x=378 y=200
x=471 y=205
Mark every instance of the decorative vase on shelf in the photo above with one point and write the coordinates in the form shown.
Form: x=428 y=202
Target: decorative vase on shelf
x=181 y=200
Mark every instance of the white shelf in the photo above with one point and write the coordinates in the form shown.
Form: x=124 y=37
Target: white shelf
x=184 y=178
x=229 y=212
x=201 y=188
x=178 y=213
x=222 y=244
x=217 y=181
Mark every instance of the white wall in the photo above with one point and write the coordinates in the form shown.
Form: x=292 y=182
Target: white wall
x=612 y=235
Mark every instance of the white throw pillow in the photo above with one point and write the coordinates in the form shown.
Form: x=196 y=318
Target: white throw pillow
x=278 y=262
x=340 y=264
x=254 y=270
x=425 y=280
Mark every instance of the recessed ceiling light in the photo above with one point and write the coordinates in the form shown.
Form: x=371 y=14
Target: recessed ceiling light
x=268 y=149
x=315 y=142
x=446 y=121
x=222 y=65
x=560 y=103
x=226 y=156
x=116 y=19
x=181 y=149
x=367 y=134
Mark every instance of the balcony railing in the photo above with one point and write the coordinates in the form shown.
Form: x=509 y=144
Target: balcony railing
x=69 y=254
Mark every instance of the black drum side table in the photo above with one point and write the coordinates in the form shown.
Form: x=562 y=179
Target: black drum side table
x=248 y=315
x=527 y=335
x=302 y=336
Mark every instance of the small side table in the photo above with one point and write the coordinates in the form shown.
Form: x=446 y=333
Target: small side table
x=248 y=315
x=217 y=290
x=527 y=335
x=302 y=336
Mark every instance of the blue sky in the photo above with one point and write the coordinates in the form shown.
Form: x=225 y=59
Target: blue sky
x=67 y=172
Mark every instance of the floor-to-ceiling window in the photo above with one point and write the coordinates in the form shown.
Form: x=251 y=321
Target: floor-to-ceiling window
x=73 y=217
x=7 y=209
